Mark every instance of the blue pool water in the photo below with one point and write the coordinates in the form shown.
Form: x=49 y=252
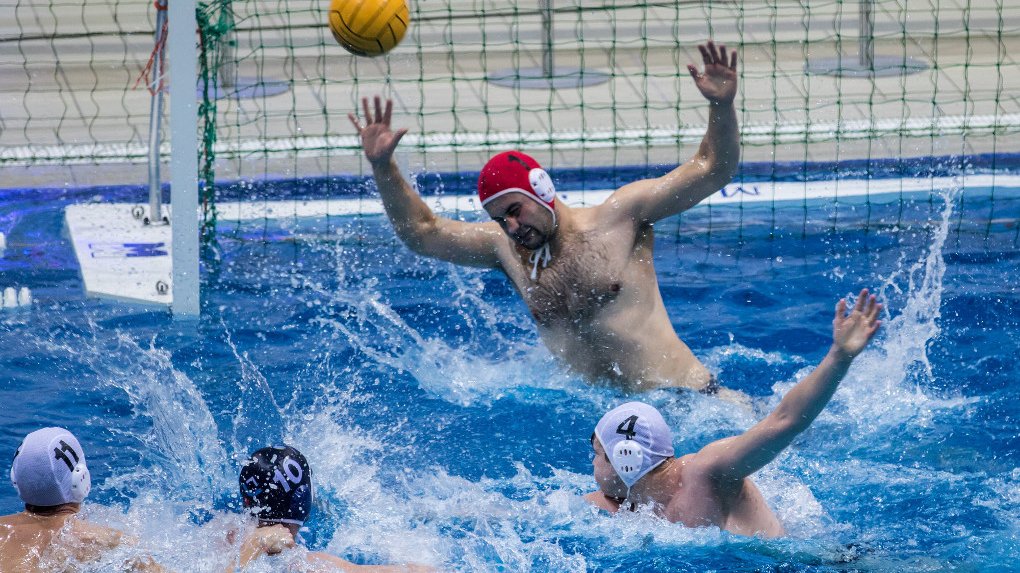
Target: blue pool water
x=439 y=430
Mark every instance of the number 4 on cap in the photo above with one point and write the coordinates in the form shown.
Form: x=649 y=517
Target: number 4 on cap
x=629 y=429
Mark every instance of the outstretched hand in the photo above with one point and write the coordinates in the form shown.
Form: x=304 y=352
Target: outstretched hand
x=852 y=332
x=377 y=139
x=718 y=83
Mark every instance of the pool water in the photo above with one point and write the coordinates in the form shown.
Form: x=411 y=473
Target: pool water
x=439 y=429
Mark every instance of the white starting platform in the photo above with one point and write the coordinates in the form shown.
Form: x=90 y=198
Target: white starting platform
x=120 y=256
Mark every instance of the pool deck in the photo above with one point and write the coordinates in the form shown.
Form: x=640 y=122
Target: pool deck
x=443 y=96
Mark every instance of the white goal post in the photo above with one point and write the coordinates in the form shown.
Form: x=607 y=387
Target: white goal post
x=183 y=60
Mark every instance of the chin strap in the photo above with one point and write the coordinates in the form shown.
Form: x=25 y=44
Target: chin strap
x=543 y=254
x=621 y=500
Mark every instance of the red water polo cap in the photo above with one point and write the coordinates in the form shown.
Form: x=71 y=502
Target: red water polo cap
x=516 y=172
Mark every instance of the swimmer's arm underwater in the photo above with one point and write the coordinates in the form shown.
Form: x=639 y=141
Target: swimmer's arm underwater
x=141 y=564
x=146 y=565
x=730 y=460
x=717 y=158
x=348 y=567
x=276 y=539
x=91 y=535
x=472 y=244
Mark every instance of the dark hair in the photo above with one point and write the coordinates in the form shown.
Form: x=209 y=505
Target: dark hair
x=45 y=509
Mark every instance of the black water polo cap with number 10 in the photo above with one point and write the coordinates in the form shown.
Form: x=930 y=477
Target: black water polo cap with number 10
x=276 y=485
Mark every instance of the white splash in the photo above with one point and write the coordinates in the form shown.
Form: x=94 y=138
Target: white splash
x=183 y=446
x=460 y=375
x=882 y=388
x=257 y=415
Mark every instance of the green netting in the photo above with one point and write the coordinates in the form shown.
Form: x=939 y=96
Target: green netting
x=647 y=112
x=67 y=73
x=275 y=87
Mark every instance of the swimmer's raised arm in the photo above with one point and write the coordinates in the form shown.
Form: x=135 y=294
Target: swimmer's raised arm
x=730 y=460
x=423 y=232
x=714 y=164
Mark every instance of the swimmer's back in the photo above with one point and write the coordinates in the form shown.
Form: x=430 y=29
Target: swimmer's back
x=32 y=543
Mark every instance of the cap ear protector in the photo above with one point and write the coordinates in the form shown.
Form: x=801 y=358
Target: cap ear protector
x=13 y=479
x=542 y=184
x=627 y=459
x=81 y=483
x=628 y=455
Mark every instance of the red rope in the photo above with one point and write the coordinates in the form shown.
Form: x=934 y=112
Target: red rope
x=159 y=48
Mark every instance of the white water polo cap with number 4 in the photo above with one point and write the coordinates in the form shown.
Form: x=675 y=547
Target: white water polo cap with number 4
x=49 y=469
x=636 y=440
x=276 y=485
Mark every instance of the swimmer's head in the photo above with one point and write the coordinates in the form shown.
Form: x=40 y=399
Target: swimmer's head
x=504 y=181
x=49 y=469
x=634 y=439
x=276 y=485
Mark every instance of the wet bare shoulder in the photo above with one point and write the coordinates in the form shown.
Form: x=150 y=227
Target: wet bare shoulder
x=7 y=525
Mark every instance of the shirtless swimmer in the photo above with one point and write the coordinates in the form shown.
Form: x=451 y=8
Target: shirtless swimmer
x=51 y=477
x=634 y=463
x=586 y=274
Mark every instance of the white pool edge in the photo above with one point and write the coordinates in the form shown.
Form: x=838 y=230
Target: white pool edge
x=734 y=193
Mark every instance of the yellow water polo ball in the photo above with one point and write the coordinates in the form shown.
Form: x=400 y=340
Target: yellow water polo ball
x=368 y=27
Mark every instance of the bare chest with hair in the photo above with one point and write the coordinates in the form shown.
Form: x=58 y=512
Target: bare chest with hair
x=587 y=275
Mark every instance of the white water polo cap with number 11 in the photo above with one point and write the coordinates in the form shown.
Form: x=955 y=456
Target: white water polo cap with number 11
x=49 y=469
